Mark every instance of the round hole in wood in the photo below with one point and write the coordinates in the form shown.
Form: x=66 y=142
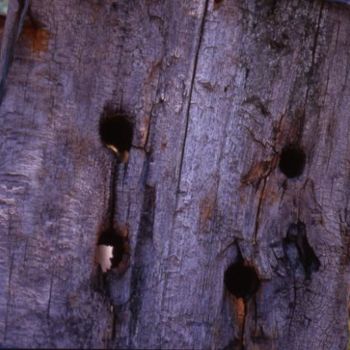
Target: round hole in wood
x=116 y=131
x=292 y=161
x=240 y=280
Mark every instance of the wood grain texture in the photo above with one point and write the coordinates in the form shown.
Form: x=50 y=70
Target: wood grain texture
x=215 y=90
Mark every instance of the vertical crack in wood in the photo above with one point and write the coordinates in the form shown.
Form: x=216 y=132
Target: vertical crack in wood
x=143 y=254
x=188 y=107
x=111 y=215
x=113 y=192
x=261 y=199
x=8 y=297
x=255 y=316
x=294 y=303
x=114 y=324
x=148 y=139
x=243 y=322
x=50 y=294
x=317 y=33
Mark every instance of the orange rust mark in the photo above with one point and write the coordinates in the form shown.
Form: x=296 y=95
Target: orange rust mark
x=240 y=310
x=288 y=130
x=38 y=37
x=259 y=171
x=206 y=210
x=143 y=130
x=123 y=230
x=240 y=314
x=271 y=195
x=256 y=172
x=242 y=198
x=33 y=32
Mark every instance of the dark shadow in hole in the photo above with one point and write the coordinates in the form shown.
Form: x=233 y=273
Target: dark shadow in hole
x=296 y=240
x=217 y=4
x=292 y=161
x=116 y=132
x=112 y=248
x=240 y=280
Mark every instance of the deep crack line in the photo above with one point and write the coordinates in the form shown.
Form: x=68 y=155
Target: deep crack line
x=113 y=192
x=195 y=64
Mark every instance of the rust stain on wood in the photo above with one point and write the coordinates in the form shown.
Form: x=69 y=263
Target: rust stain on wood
x=32 y=32
x=206 y=209
x=270 y=194
x=256 y=172
x=289 y=128
x=143 y=130
x=240 y=315
x=38 y=38
x=239 y=309
x=259 y=171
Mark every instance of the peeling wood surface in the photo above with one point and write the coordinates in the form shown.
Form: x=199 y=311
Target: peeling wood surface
x=215 y=90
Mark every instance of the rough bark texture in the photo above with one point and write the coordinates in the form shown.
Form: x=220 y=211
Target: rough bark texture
x=215 y=90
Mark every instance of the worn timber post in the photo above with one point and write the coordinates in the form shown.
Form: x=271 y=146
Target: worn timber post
x=207 y=143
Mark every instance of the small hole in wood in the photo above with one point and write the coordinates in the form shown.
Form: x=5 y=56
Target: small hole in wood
x=116 y=132
x=110 y=249
x=292 y=161
x=240 y=280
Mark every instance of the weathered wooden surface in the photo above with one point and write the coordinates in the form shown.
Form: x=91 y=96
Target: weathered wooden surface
x=216 y=89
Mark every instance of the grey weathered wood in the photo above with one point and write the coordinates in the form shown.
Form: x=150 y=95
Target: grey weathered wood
x=216 y=89
x=16 y=14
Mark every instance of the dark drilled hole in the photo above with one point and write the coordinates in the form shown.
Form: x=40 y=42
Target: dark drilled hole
x=292 y=161
x=116 y=132
x=110 y=249
x=240 y=280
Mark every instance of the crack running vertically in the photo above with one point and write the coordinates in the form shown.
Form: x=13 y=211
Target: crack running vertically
x=313 y=52
x=201 y=32
x=113 y=192
x=242 y=326
x=261 y=198
x=192 y=79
